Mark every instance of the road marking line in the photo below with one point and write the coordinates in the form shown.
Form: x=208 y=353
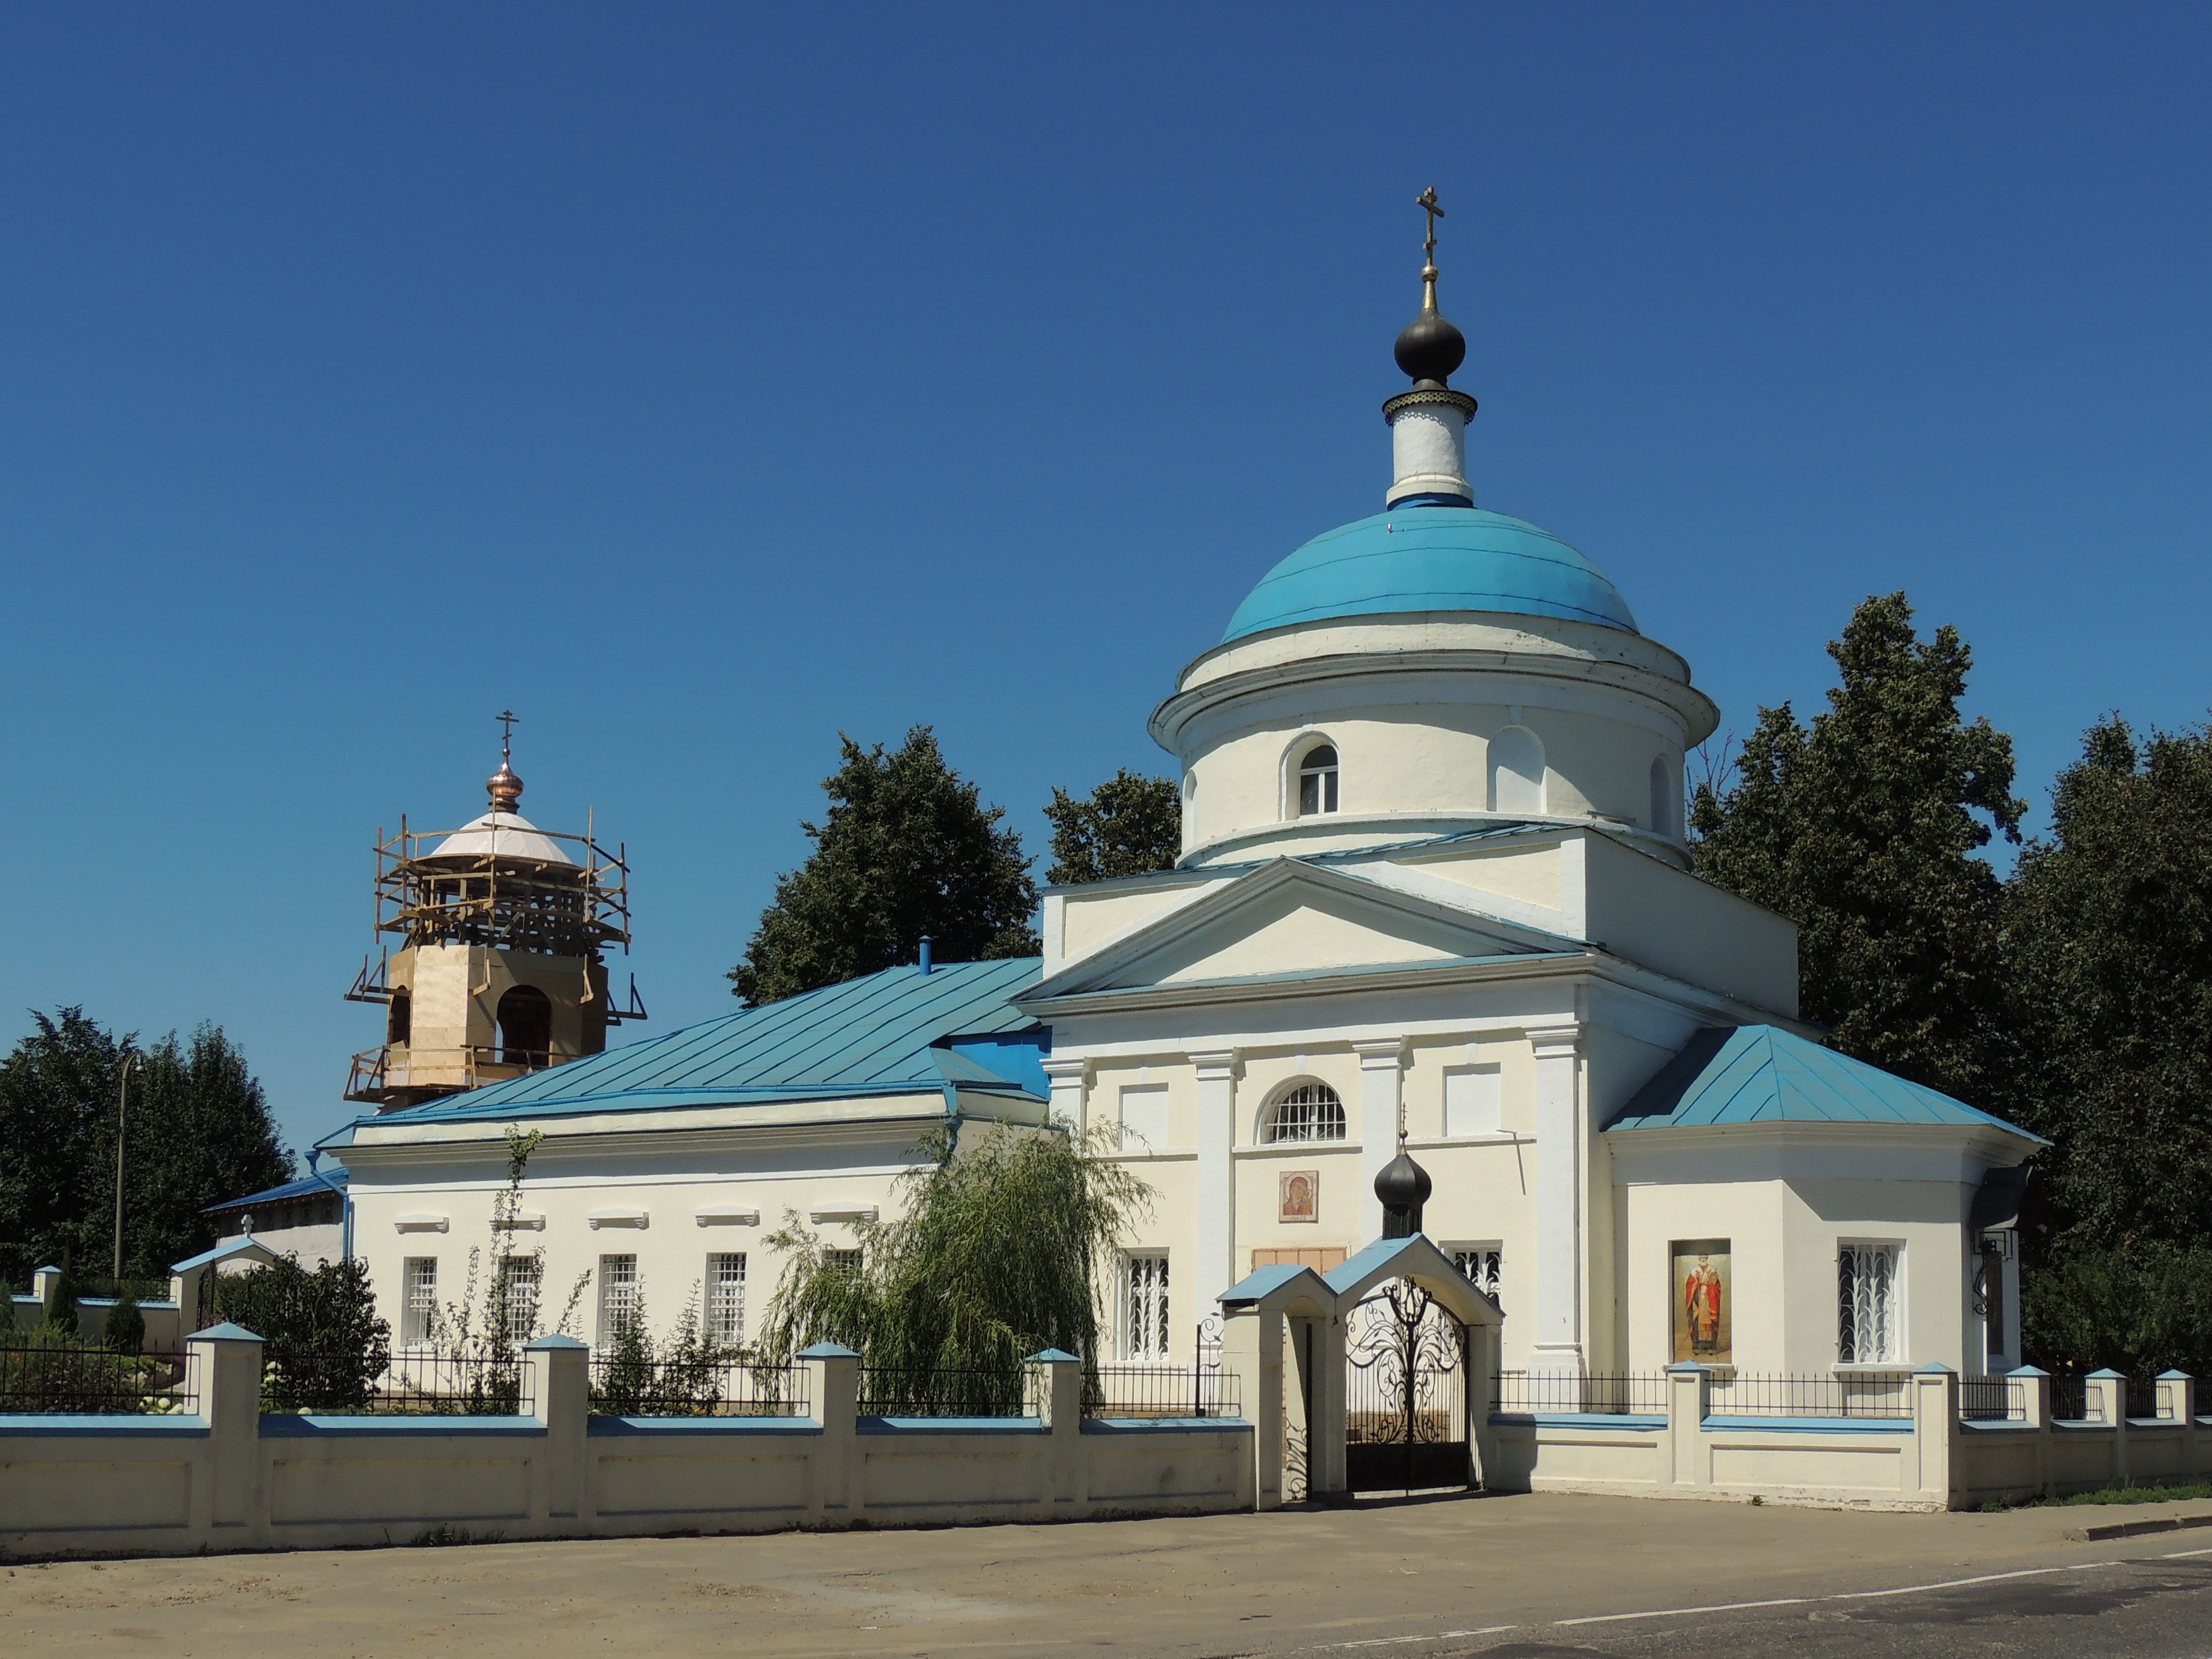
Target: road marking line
x=1677 y=1612
x=1954 y=1583
x=2179 y=1555
x=1394 y=1641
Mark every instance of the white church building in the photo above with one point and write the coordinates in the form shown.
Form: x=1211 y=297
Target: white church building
x=1433 y=891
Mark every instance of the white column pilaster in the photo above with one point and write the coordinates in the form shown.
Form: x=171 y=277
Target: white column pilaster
x=1559 y=1334
x=1215 y=1270
x=1068 y=1078
x=1381 y=1074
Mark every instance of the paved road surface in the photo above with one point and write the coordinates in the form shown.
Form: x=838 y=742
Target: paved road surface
x=1506 y=1577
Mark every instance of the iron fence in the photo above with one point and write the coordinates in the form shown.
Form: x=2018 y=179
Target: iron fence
x=1157 y=1391
x=43 y=1377
x=898 y=1391
x=2071 y=1401
x=345 y=1382
x=623 y=1386
x=1992 y=1399
x=1623 y=1395
x=2143 y=1402
x=1879 y=1395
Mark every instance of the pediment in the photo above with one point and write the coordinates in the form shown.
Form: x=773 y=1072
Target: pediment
x=1288 y=920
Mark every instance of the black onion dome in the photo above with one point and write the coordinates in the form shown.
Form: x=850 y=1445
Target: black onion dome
x=1431 y=348
x=1402 y=1184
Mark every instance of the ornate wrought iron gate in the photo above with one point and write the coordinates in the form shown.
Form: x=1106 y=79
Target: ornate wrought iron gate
x=1405 y=1419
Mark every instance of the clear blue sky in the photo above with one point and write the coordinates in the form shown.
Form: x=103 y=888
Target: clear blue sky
x=701 y=381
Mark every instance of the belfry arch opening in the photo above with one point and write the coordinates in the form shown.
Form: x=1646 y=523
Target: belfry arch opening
x=526 y=1027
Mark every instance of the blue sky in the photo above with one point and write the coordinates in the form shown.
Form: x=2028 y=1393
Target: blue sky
x=702 y=381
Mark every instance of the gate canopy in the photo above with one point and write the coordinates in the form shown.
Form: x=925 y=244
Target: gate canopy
x=1306 y=1294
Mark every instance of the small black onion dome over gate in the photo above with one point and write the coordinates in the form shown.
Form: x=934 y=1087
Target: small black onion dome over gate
x=1404 y=1187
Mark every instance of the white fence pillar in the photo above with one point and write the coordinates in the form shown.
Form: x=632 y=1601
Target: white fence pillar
x=1056 y=1383
x=2107 y=1392
x=1682 y=1458
x=222 y=1368
x=1934 y=1430
x=1252 y=1351
x=836 y=1497
x=560 y=1385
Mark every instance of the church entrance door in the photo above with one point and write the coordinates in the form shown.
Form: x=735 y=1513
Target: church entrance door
x=1405 y=1417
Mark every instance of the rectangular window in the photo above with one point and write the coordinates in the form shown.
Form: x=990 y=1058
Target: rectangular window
x=1145 y=1118
x=726 y=1299
x=1989 y=1299
x=1481 y=1264
x=518 y=1296
x=842 y=1261
x=618 y=1296
x=1474 y=1102
x=1145 y=1306
x=1867 y=1291
x=418 y=1314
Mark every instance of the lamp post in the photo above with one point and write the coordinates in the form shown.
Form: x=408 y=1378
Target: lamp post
x=122 y=1096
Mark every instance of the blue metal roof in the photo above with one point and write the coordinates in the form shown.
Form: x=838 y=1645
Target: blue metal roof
x=886 y=1033
x=302 y=1187
x=1760 y=1074
x=1431 y=558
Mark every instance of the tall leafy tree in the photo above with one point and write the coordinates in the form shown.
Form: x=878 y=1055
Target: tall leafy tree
x=907 y=848
x=1862 y=827
x=2108 y=939
x=1129 y=825
x=199 y=1132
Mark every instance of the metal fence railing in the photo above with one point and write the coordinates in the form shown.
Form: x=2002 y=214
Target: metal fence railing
x=1161 y=1391
x=1992 y=1399
x=43 y=1377
x=347 y=1382
x=2143 y=1402
x=696 y=1387
x=1619 y=1394
x=895 y=1391
x=2071 y=1401
x=1882 y=1394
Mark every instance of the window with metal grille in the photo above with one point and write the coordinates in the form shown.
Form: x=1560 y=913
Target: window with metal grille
x=1867 y=1293
x=1145 y=1304
x=726 y=1298
x=1317 y=781
x=519 y=1278
x=618 y=1296
x=1481 y=1263
x=418 y=1312
x=1311 y=1111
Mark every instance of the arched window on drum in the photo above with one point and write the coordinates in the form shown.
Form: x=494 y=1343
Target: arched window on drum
x=1307 y=1111
x=1317 y=772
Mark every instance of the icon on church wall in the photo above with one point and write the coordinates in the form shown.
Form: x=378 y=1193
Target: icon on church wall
x=1703 y=1301
x=1300 y=1195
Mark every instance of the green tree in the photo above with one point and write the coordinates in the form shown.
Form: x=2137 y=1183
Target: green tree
x=907 y=848
x=997 y=1251
x=2109 y=943
x=1863 y=829
x=1128 y=826
x=199 y=1132
x=327 y=1346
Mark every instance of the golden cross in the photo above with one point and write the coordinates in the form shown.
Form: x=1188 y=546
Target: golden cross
x=1427 y=202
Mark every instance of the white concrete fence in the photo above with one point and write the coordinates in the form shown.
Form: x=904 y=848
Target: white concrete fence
x=228 y=1477
x=1926 y=1459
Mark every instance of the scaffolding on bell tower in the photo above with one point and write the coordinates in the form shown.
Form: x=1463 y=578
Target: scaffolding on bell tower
x=497 y=967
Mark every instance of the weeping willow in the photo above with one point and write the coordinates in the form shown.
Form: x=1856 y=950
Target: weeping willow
x=999 y=1249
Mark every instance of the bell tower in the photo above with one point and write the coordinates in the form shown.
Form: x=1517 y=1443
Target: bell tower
x=496 y=969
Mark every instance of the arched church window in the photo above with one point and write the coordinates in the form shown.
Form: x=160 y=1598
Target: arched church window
x=1665 y=812
x=1517 y=771
x=526 y=1027
x=1317 y=781
x=398 y=1019
x=1310 y=1111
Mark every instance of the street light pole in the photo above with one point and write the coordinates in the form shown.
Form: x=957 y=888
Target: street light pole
x=122 y=1096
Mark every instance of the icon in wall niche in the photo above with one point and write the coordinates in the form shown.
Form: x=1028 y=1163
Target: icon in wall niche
x=1704 y=1299
x=1300 y=1195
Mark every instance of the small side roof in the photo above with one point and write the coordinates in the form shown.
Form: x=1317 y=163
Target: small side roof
x=305 y=1187
x=1727 y=1076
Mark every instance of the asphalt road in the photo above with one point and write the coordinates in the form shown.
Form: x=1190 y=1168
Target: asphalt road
x=1503 y=1576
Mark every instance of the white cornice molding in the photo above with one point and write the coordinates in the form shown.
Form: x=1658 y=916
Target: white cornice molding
x=1214 y=1065
x=726 y=1215
x=418 y=1223
x=822 y=1213
x=1557 y=1042
x=617 y=1217
x=1958 y=1154
x=1380 y=1054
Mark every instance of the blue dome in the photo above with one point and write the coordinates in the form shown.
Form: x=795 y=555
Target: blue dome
x=1431 y=558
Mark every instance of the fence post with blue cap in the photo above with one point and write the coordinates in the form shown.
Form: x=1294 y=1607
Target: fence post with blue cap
x=1055 y=1385
x=222 y=1371
x=560 y=1384
x=835 y=1495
